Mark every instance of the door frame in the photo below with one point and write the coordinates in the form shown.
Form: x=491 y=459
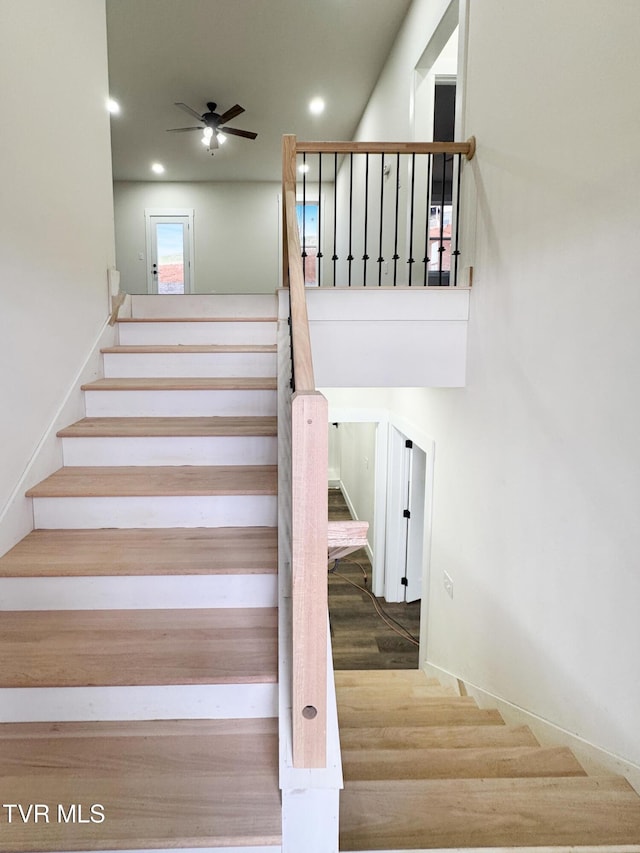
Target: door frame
x=384 y=420
x=179 y=213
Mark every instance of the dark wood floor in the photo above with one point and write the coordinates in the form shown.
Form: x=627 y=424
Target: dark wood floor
x=360 y=639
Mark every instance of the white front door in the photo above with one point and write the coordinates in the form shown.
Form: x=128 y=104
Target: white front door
x=169 y=252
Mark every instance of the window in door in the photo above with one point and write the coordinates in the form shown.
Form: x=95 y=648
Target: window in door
x=169 y=251
x=307 y=215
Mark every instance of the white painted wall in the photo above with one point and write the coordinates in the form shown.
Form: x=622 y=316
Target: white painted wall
x=236 y=228
x=390 y=117
x=537 y=459
x=366 y=337
x=357 y=447
x=56 y=213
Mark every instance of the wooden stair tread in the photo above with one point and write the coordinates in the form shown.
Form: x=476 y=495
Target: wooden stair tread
x=431 y=737
x=188 y=551
x=195 y=383
x=436 y=715
x=445 y=711
x=185 y=348
x=197 y=319
x=169 y=426
x=179 y=783
x=393 y=690
x=163 y=480
x=488 y=813
x=138 y=647
x=469 y=763
x=381 y=677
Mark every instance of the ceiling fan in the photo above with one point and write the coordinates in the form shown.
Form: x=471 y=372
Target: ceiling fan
x=213 y=124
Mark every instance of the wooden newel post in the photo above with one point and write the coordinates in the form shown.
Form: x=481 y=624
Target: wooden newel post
x=309 y=582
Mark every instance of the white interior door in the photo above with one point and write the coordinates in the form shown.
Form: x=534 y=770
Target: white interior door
x=169 y=252
x=415 y=524
x=404 y=552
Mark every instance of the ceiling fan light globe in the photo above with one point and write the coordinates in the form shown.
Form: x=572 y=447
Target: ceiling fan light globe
x=207 y=133
x=221 y=138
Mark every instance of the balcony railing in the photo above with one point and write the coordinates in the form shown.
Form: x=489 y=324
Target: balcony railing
x=375 y=214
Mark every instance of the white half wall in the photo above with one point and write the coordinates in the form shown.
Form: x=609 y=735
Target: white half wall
x=536 y=486
x=388 y=337
x=56 y=212
x=236 y=228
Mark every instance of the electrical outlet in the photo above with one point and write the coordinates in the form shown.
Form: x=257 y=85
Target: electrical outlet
x=448 y=584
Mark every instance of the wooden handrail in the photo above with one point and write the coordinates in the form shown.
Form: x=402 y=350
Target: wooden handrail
x=302 y=360
x=293 y=273
x=467 y=148
x=309 y=501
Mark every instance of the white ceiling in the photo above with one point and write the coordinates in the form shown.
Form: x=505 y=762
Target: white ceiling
x=270 y=56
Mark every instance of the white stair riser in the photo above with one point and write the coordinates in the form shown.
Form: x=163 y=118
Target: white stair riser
x=142 y=592
x=142 y=404
x=171 y=450
x=173 y=334
x=196 y=364
x=190 y=702
x=182 y=511
x=205 y=305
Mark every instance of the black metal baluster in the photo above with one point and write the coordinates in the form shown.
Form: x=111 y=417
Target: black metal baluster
x=442 y=197
x=365 y=257
x=456 y=251
x=304 y=216
x=427 y=247
x=334 y=257
x=396 y=256
x=410 y=260
x=319 y=247
x=380 y=258
x=350 y=255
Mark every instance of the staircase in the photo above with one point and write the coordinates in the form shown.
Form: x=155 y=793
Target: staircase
x=427 y=769
x=138 y=642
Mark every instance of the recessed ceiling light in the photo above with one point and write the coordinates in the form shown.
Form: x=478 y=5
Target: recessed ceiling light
x=304 y=168
x=113 y=106
x=158 y=168
x=316 y=106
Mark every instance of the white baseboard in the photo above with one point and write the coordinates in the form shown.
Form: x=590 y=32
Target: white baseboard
x=594 y=759
x=590 y=848
x=16 y=517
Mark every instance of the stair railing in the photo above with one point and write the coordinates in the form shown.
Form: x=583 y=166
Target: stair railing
x=309 y=500
x=392 y=212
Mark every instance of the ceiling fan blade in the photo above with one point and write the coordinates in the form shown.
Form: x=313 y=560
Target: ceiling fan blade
x=182 y=129
x=232 y=112
x=188 y=109
x=234 y=131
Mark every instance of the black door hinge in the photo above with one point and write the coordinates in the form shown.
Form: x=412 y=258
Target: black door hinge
x=408 y=443
x=406 y=513
x=404 y=581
